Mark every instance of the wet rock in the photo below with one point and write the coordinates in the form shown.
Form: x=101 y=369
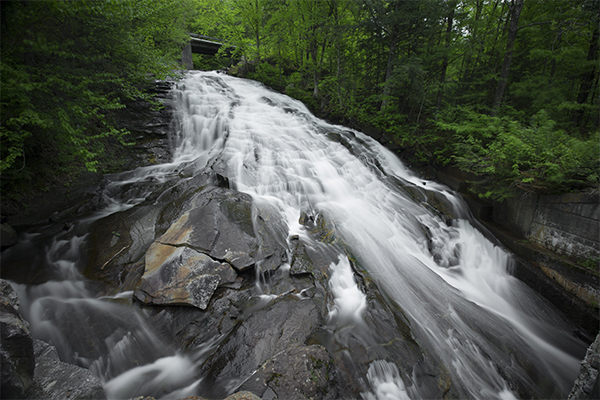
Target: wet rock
x=587 y=383
x=57 y=380
x=301 y=262
x=277 y=328
x=434 y=200
x=153 y=151
x=313 y=259
x=8 y=236
x=16 y=347
x=8 y=296
x=243 y=395
x=118 y=241
x=180 y=275
x=221 y=225
x=301 y=373
x=192 y=327
x=142 y=117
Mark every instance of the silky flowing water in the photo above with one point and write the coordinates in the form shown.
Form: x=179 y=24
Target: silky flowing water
x=451 y=281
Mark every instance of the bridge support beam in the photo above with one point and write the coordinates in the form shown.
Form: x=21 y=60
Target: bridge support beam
x=186 y=57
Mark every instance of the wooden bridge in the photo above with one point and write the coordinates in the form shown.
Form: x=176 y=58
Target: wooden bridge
x=205 y=44
x=201 y=44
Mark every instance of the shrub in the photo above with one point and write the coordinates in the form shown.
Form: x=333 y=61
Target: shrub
x=510 y=155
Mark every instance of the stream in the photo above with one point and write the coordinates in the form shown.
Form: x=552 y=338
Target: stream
x=404 y=245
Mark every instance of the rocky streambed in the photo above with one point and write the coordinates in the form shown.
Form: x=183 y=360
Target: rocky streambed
x=197 y=279
x=179 y=279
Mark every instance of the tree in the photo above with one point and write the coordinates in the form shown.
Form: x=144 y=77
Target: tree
x=445 y=58
x=515 y=12
x=66 y=66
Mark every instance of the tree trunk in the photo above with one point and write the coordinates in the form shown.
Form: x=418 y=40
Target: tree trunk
x=515 y=12
x=587 y=78
x=450 y=18
x=392 y=55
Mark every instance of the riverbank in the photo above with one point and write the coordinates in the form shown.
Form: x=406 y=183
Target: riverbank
x=555 y=239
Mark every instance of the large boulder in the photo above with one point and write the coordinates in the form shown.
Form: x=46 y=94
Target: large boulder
x=16 y=347
x=118 y=241
x=181 y=275
x=222 y=230
x=227 y=225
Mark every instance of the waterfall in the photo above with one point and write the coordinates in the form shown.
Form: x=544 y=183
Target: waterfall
x=453 y=285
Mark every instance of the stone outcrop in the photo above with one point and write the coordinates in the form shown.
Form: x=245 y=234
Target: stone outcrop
x=277 y=328
x=181 y=275
x=223 y=231
x=31 y=368
x=301 y=373
x=57 y=380
x=16 y=346
x=149 y=124
x=588 y=381
x=243 y=395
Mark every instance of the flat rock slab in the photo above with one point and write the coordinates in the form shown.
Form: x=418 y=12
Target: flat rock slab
x=181 y=275
x=277 y=328
x=300 y=373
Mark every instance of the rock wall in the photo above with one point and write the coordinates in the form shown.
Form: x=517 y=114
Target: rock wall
x=555 y=239
x=566 y=224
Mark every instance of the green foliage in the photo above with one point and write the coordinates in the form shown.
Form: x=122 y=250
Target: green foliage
x=381 y=62
x=509 y=155
x=268 y=74
x=66 y=66
x=423 y=73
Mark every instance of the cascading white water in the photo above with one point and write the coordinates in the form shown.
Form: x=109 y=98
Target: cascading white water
x=453 y=285
x=456 y=290
x=349 y=301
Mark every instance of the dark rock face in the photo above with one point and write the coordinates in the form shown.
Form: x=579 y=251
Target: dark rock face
x=588 y=381
x=16 y=348
x=8 y=236
x=149 y=124
x=57 y=380
x=221 y=225
x=120 y=240
x=222 y=230
x=279 y=327
x=31 y=368
x=8 y=296
x=301 y=373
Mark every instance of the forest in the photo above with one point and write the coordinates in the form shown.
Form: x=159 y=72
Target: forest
x=506 y=89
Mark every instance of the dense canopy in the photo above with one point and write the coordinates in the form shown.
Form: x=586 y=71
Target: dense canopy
x=507 y=89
